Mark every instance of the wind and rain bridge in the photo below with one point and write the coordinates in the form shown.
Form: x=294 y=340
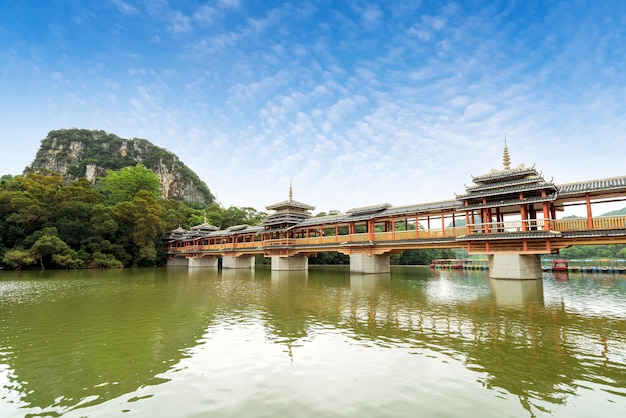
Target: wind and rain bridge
x=510 y=215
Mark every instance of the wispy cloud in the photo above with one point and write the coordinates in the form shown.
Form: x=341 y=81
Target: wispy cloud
x=358 y=102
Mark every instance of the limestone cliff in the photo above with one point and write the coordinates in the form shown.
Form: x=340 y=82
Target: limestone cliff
x=76 y=153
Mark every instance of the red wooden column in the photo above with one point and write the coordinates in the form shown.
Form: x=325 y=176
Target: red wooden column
x=443 y=225
x=417 y=227
x=484 y=215
x=523 y=212
x=589 y=215
x=467 y=222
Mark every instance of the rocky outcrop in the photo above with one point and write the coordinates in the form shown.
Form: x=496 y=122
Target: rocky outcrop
x=76 y=153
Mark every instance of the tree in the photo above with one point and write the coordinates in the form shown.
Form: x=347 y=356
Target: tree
x=141 y=226
x=223 y=218
x=18 y=258
x=124 y=184
x=68 y=259
x=48 y=244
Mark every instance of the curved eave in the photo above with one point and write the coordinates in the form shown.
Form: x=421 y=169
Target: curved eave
x=289 y=204
x=516 y=182
x=508 y=191
x=597 y=189
x=499 y=174
x=509 y=202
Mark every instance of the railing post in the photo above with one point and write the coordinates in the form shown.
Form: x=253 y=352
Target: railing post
x=589 y=215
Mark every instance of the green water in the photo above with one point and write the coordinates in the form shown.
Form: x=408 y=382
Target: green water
x=416 y=342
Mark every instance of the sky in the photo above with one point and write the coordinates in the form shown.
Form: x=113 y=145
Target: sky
x=355 y=103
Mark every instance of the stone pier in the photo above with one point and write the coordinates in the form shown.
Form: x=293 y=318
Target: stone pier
x=177 y=262
x=364 y=263
x=241 y=262
x=207 y=261
x=513 y=266
x=296 y=262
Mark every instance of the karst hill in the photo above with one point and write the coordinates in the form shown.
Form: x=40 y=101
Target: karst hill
x=76 y=153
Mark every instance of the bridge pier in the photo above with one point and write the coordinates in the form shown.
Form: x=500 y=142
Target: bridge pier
x=177 y=262
x=364 y=263
x=515 y=266
x=295 y=262
x=241 y=262
x=206 y=261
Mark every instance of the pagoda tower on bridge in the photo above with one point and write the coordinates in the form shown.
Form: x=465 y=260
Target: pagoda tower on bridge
x=525 y=199
x=287 y=214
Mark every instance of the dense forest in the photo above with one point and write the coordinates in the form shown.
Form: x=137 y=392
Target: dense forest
x=121 y=220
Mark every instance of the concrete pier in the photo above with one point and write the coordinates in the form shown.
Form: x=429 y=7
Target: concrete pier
x=296 y=262
x=515 y=266
x=208 y=261
x=241 y=262
x=364 y=263
x=177 y=262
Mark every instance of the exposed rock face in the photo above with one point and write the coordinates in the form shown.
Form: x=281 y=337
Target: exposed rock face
x=76 y=153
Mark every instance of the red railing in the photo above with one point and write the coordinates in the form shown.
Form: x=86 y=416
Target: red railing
x=492 y=228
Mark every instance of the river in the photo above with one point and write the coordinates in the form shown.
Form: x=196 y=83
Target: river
x=323 y=343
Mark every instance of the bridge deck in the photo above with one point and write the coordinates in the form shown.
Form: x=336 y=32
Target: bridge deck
x=538 y=236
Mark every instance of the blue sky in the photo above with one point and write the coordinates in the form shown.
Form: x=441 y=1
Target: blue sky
x=357 y=102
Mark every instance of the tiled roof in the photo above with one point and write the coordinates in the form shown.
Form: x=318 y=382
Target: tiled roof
x=518 y=181
x=592 y=185
x=289 y=204
x=445 y=205
x=507 y=190
x=500 y=174
x=511 y=202
x=366 y=210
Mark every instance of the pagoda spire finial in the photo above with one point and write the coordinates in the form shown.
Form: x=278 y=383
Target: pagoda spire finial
x=506 y=160
x=290 y=191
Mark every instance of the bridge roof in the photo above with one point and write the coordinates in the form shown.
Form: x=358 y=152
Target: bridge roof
x=499 y=175
x=360 y=214
x=290 y=204
x=600 y=188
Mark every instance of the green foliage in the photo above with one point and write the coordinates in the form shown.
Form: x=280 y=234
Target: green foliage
x=47 y=244
x=424 y=257
x=68 y=259
x=18 y=258
x=329 y=258
x=123 y=185
x=590 y=252
x=618 y=212
x=4 y=180
x=101 y=260
x=223 y=218
x=72 y=226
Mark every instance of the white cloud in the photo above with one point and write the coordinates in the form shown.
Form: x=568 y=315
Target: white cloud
x=124 y=7
x=179 y=22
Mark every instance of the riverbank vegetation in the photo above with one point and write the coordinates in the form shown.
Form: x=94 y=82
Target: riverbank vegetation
x=120 y=221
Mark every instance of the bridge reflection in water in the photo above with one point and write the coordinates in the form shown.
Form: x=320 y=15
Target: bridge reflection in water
x=77 y=343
